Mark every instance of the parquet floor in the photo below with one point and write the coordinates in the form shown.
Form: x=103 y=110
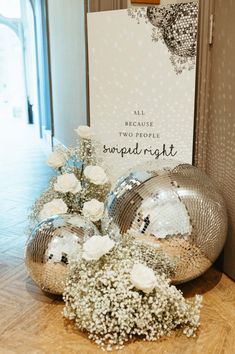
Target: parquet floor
x=31 y=322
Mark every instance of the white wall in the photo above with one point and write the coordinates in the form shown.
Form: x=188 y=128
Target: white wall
x=68 y=67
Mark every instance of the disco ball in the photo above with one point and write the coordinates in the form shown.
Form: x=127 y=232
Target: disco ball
x=175 y=205
x=52 y=245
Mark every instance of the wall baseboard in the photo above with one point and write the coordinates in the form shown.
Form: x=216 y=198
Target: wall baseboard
x=46 y=141
x=56 y=142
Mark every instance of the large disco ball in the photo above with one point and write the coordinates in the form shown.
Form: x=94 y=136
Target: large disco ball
x=52 y=244
x=175 y=205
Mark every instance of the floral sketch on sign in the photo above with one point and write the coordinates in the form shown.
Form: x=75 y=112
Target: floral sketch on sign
x=176 y=26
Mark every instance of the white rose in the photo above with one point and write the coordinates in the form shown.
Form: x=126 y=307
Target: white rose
x=67 y=182
x=96 y=174
x=143 y=278
x=93 y=210
x=97 y=246
x=56 y=159
x=55 y=207
x=84 y=131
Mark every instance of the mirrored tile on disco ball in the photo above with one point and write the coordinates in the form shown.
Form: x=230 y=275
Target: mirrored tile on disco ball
x=176 y=205
x=52 y=245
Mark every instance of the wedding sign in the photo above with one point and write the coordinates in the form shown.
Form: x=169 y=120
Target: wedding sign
x=142 y=82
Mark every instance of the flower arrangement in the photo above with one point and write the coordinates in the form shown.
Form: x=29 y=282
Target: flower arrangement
x=121 y=290
x=81 y=184
x=118 y=287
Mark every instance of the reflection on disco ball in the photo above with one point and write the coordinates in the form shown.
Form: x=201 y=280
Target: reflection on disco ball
x=175 y=205
x=52 y=245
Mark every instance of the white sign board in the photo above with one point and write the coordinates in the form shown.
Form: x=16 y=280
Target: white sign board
x=142 y=83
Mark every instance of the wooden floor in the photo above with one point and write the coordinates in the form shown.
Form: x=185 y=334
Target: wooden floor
x=32 y=323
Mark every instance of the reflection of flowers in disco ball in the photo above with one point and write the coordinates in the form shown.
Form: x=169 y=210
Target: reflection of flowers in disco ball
x=175 y=205
x=52 y=245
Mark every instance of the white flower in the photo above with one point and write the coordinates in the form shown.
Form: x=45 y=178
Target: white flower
x=143 y=278
x=96 y=174
x=97 y=246
x=93 y=210
x=55 y=207
x=84 y=131
x=56 y=159
x=67 y=182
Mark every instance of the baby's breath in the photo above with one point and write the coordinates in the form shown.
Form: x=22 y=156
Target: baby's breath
x=101 y=299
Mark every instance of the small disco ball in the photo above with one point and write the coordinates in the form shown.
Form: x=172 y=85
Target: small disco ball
x=176 y=206
x=52 y=245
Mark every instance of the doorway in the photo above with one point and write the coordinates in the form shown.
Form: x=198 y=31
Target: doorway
x=12 y=85
x=24 y=80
